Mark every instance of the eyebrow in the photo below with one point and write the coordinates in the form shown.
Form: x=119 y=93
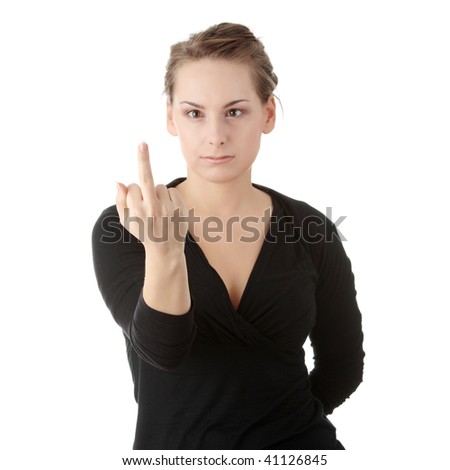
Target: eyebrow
x=199 y=106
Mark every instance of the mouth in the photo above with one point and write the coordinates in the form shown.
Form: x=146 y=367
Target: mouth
x=218 y=159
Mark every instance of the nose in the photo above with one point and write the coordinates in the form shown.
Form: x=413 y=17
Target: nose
x=217 y=133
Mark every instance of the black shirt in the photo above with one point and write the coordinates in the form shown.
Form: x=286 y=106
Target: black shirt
x=221 y=378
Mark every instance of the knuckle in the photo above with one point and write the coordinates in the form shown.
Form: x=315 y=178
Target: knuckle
x=133 y=187
x=134 y=193
x=160 y=188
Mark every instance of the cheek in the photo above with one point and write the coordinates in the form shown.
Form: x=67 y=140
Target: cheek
x=252 y=134
x=187 y=130
x=185 y=134
x=188 y=141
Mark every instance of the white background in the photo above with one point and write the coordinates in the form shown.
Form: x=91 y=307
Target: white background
x=365 y=129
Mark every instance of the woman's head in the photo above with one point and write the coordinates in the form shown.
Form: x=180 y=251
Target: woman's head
x=220 y=100
x=226 y=41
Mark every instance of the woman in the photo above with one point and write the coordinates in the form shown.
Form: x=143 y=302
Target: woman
x=217 y=282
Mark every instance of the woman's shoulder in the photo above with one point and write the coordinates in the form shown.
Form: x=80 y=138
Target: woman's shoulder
x=303 y=221
x=108 y=231
x=294 y=207
x=105 y=218
x=109 y=211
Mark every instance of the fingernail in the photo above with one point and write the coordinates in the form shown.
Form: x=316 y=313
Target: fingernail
x=142 y=146
x=118 y=187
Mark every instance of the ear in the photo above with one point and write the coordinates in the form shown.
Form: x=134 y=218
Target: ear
x=270 y=113
x=170 y=124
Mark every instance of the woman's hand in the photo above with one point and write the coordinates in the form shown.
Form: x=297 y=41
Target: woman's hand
x=154 y=214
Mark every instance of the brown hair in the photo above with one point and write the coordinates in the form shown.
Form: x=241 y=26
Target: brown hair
x=228 y=41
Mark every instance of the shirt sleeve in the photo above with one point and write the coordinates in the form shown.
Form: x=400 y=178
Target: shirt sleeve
x=158 y=338
x=337 y=337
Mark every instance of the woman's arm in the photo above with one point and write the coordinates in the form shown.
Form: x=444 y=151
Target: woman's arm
x=120 y=265
x=141 y=268
x=337 y=336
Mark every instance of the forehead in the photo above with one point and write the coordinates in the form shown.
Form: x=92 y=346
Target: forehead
x=208 y=79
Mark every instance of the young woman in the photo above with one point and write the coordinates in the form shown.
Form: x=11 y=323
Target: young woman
x=217 y=282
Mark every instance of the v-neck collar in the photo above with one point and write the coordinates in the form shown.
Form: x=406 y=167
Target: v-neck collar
x=266 y=247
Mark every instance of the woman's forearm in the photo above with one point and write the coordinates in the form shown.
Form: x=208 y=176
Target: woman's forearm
x=166 y=286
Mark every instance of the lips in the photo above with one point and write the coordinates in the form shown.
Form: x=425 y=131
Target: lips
x=218 y=159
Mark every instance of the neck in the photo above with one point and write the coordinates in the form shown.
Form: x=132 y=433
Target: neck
x=224 y=198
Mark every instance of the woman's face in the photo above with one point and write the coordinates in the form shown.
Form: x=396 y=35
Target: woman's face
x=216 y=112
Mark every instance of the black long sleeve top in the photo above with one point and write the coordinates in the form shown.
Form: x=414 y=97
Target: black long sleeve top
x=224 y=378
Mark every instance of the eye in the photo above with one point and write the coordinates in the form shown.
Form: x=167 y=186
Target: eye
x=194 y=114
x=235 y=112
